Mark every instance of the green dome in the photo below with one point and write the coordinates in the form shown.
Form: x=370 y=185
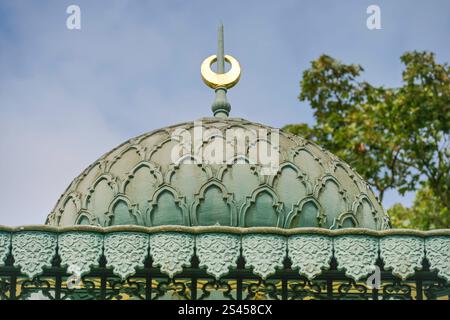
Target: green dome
x=138 y=184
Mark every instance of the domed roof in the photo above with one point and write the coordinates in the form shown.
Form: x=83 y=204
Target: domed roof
x=138 y=183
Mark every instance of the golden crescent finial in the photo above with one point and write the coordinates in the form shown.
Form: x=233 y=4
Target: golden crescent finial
x=216 y=80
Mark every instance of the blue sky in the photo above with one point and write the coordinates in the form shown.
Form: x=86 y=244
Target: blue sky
x=67 y=97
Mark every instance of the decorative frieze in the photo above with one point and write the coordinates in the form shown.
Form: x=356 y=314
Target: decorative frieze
x=32 y=251
x=5 y=242
x=402 y=254
x=264 y=253
x=356 y=254
x=438 y=255
x=80 y=251
x=171 y=251
x=310 y=253
x=124 y=252
x=218 y=252
x=218 y=249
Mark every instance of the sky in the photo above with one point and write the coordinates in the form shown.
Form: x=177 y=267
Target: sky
x=69 y=96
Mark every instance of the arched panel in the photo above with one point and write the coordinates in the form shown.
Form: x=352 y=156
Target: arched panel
x=69 y=213
x=86 y=182
x=364 y=214
x=163 y=154
x=265 y=152
x=238 y=141
x=121 y=214
x=187 y=178
x=261 y=212
x=99 y=201
x=213 y=208
x=382 y=219
x=344 y=178
x=126 y=162
x=84 y=221
x=166 y=211
x=307 y=163
x=307 y=216
x=153 y=139
x=289 y=186
x=240 y=180
x=141 y=187
x=215 y=149
x=332 y=202
x=348 y=223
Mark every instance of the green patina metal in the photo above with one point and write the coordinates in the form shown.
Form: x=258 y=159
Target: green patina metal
x=221 y=107
x=406 y=259
x=136 y=184
x=264 y=249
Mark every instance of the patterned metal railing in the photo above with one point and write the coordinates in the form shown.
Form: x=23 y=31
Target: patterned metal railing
x=42 y=262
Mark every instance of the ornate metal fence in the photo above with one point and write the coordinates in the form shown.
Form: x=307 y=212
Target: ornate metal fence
x=40 y=268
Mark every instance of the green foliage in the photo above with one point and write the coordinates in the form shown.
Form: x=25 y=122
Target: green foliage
x=426 y=213
x=397 y=138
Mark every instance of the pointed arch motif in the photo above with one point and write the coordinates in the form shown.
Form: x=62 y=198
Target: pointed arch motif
x=152 y=153
x=186 y=159
x=360 y=202
x=140 y=151
x=87 y=216
x=308 y=161
x=104 y=198
x=75 y=197
x=82 y=178
x=304 y=147
x=301 y=175
x=340 y=221
x=232 y=142
x=331 y=210
x=226 y=196
x=131 y=213
x=173 y=168
x=110 y=180
x=298 y=141
x=153 y=167
x=298 y=208
x=214 y=140
x=154 y=170
x=229 y=166
x=354 y=177
x=156 y=148
x=140 y=139
x=318 y=188
x=238 y=159
x=251 y=202
x=178 y=202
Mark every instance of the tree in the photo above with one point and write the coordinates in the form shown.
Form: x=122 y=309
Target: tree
x=397 y=138
x=426 y=213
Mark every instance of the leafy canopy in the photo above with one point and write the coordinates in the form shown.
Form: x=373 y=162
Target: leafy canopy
x=396 y=138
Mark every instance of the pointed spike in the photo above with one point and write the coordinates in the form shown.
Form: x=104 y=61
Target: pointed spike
x=220 y=51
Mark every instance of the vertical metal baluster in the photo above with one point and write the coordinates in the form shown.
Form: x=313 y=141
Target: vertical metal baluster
x=13 y=283
x=58 y=284
x=419 y=291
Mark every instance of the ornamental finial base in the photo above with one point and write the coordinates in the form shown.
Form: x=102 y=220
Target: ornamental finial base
x=221 y=107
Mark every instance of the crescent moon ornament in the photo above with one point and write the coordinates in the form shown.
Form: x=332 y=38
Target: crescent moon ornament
x=216 y=80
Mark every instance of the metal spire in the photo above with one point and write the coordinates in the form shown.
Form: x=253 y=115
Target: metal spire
x=219 y=80
x=220 y=51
